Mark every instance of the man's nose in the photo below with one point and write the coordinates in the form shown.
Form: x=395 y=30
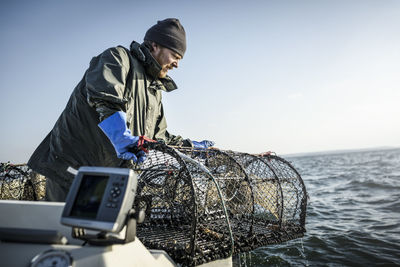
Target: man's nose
x=175 y=64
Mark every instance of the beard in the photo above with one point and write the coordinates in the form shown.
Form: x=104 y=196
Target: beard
x=163 y=72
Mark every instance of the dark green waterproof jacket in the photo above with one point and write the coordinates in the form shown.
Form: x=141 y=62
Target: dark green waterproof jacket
x=117 y=80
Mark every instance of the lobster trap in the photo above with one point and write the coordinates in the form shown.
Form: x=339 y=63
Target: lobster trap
x=185 y=212
x=264 y=195
x=18 y=182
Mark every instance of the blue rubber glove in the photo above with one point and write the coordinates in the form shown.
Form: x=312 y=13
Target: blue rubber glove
x=203 y=144
x=121 y=137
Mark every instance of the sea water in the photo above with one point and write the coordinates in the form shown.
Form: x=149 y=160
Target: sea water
x=353 y=215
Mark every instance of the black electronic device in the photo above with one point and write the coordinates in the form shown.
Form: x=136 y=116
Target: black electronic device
x=100 y=198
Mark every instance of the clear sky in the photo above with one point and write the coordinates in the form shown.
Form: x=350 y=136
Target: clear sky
x=286 y=76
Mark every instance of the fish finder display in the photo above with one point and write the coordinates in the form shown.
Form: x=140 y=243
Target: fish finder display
x=100 y=198
x=89 y=196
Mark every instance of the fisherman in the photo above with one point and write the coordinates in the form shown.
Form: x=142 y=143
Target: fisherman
x=117 y=101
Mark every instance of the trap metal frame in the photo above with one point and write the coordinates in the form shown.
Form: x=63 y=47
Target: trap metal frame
x=265 y=196
x=185 y=212
x=18 y=182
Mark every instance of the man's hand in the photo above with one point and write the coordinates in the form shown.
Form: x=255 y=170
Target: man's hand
x=203 y=144
x=114 y=127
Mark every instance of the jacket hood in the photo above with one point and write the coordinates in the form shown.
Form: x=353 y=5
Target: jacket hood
x=152 y=67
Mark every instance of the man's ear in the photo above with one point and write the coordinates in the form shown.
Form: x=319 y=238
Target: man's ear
x=154 y=46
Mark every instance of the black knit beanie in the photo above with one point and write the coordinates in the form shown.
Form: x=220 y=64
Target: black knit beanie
x=168 y=33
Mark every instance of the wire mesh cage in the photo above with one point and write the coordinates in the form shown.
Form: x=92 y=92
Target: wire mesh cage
x=280 y=197
x=18 y=182
x=185 y=213
x=265 y=196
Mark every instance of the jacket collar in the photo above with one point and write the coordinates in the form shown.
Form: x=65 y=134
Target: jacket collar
x=142 y=53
